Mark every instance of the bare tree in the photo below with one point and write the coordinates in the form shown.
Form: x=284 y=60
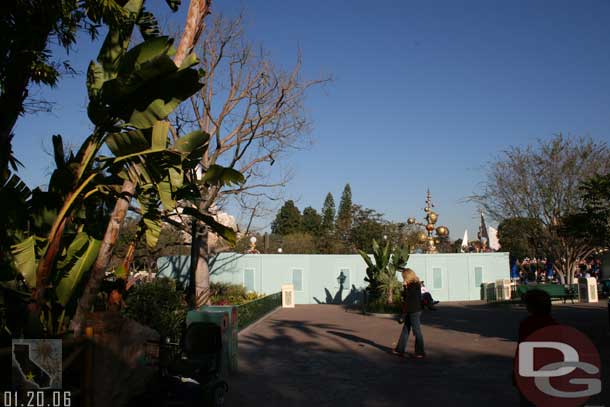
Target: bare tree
x=542 y=182
x=253 y=112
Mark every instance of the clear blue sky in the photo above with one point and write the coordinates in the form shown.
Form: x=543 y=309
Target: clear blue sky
x=425 y=93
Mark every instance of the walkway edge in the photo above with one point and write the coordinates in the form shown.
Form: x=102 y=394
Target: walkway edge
x=258 y=321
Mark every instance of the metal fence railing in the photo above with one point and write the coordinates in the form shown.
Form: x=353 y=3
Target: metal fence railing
x=254 y=310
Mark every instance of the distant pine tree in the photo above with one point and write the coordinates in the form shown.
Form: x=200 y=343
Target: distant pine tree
x=328 y=214
x=343 y=223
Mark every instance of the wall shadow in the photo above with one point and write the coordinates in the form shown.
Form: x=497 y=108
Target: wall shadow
x=177 y=267
x=353 y=298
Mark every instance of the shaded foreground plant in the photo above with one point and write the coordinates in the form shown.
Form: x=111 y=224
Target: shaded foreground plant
x=55 y=238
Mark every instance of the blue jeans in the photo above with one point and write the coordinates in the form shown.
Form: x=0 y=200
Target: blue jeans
x=412 y=320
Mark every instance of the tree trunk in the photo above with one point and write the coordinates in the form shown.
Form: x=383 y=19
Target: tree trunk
x=199 y=271
x=193 y=28
x=202 y=272
x=192 y=287
x=390 y=297
x=45 y=265
x=103 y=258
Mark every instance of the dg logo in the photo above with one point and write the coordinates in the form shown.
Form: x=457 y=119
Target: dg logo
x=558 y=366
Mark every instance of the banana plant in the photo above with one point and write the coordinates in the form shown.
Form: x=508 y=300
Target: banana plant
x=131 y=92
x=381 y=270
x=376 y=267
x=80 y=238
x=388 y=283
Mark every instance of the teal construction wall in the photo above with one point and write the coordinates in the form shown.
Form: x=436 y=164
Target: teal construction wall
x=449 y=277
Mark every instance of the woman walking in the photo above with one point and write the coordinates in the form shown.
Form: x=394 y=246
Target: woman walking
x=412 y=309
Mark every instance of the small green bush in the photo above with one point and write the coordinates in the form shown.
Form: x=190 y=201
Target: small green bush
x=254 y=310
x=159 y=305
x=379 y=305
x=230 y=294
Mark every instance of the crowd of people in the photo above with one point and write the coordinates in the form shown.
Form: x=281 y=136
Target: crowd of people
x=541 y=270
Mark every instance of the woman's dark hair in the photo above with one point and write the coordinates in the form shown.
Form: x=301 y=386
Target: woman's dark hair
x=538 y=302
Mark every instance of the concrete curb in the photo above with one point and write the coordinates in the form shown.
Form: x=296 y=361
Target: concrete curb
x=258 y=321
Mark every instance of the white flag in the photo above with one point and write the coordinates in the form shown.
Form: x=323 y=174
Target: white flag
x=465 y=239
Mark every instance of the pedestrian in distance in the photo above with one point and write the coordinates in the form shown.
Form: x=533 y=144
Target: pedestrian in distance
x=411 y=318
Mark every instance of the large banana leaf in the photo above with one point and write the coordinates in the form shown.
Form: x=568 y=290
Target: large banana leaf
x=159 y=135
x=152 y=232
x=129 y=142
x=24 y=259
x=193 y=145
x=118 y=38
x=148 y=24
x=166 y=194
x=218 y=175
x=150 y=225
x=140 y=58
x=83 y=262
x=163 y=97
x=14 y=196
x=73 y=252
x=148 y=86
x=15 y=188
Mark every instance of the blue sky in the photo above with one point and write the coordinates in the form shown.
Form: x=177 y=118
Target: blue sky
x=425 y=93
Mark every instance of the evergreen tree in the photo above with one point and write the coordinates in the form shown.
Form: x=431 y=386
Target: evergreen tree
x=312 y=221
x=328 y=214
x=288 y=219
x=344 y=217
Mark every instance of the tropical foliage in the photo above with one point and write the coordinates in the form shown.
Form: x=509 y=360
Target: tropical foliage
x=381 y=270
x=159 y=305
x=53 y=237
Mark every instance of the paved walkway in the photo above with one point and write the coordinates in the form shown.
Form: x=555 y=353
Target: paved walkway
x=321 y=355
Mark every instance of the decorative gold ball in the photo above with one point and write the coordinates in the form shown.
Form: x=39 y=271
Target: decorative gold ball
x=442 y=231
x=429 y=227
x=426 y=209
x=411 y=221
x=422 y=236
x=432 y=217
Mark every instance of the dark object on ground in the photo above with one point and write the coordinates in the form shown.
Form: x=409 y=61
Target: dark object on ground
x=428 y=301
x=190 y=374
x=555 y=291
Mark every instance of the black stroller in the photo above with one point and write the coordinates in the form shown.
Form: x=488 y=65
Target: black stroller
x=190 y=373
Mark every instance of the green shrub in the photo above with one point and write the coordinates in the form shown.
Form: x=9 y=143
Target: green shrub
x=230 y=294
x=379 y=305
x=159 y=305
x=254 y=310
